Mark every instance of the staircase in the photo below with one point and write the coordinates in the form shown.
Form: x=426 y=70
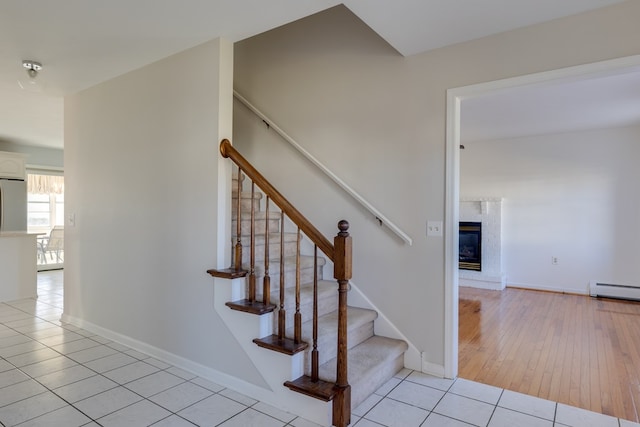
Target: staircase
x=305 y=317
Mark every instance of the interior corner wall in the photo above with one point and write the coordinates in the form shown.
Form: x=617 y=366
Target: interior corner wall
x=377 y=120
x=141 y=158
x=572 y=196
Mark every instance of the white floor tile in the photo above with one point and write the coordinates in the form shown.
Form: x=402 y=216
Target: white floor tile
x=19 y=391
x=130 y=372
x=93 y=353
x=50 y=331
x=417 y=395
x=181 y=373
x=437 y=420
x=107 y=402
x=63 y=417
x=85 y=388
x=273 y=412
x=32 y=407
x=66 y=336
x=363 y=422
x=388 y=386
x=474 y=390
x=179 y=397
x=21 y=348
x=528 y=404
x=209 y=385
x=507 y=418
x=577 y=417
x=396 y=414
x=157 y=363
x=114 y=361
x=143 y=413
x=11 y=340
x=212 y=411
x=48 y=366
x=5 y=366
x=626 y=423
x=77 y=345
x=154 y=383
x=65 y=376
x=32 y=357
x=464 y=409
x=403 y=373
x=13 y=376
x=238 y=397
x=251 y=418
x=430 y=381
x=138 y=355
x=119 y=347
x=173 y=421
x=367 y=404
x=301 y=422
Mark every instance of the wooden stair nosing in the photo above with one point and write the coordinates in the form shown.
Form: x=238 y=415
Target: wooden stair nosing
x=286 y=345
x=228 y=273
x=253 y=307
x=322 y=390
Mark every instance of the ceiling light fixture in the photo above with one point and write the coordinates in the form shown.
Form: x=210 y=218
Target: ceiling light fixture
x=33 y=68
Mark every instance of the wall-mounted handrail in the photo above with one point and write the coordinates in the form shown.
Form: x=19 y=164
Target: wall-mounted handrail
x=382 y=219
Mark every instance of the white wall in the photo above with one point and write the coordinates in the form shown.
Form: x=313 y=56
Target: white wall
x=572 y=196
x=377 y=120
x=142 y=173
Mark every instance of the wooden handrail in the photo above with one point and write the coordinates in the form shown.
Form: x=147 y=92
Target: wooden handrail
x=340 y=253
x=227 y=151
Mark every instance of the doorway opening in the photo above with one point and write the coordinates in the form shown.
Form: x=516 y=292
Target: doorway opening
x=455 y=98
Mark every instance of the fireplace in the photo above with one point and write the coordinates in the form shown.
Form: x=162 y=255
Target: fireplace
x=470 y=246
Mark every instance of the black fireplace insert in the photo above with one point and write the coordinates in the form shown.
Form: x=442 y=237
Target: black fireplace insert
x=470 y=246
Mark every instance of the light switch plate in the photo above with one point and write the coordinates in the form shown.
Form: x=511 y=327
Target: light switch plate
x=434 y=228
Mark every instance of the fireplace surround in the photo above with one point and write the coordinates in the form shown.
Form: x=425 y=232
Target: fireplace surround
x=488 y=212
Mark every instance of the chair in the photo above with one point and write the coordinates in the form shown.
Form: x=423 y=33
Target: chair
x=53 y=244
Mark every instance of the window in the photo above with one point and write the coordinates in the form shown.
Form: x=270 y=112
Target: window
x=45 y=210
x=45 y=202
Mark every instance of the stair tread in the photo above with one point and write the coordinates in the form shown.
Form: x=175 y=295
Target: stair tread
x=274 y=238
x=326 y=288
x=328 y=324
x=306 y=261
x=364 y=358
x=258 y=215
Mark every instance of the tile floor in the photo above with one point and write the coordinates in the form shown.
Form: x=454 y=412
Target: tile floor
x=54 y=374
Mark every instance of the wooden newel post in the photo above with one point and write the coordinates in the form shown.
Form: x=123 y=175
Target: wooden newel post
x=342 y=273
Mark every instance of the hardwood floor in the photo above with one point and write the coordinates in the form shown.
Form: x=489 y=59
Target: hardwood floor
x=572 y=349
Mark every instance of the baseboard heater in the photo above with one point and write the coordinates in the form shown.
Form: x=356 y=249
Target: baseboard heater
x=611 y=290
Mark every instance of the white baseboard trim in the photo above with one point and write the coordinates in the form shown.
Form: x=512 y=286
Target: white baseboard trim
x=491 y=283
x=195 y=368
x=560 y=289
x=429 y=368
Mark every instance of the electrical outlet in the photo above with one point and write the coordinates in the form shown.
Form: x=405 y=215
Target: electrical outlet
x=434 y=228
x=554 y=260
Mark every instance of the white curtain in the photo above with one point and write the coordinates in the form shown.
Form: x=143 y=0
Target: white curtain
x=45 y=184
